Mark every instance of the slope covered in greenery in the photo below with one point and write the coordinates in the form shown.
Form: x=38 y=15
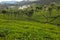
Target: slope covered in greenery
x=25 y=30
x=32 y=23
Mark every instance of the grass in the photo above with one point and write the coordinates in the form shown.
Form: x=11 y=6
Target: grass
x=25 y=30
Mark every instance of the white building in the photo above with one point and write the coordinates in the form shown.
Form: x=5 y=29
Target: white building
x=23 y=7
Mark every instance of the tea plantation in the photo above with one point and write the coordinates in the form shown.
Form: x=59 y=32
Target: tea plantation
x=25 y=30
x=33 y=23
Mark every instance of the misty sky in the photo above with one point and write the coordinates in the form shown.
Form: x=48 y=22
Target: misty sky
x=15 y=0
x=10 y=0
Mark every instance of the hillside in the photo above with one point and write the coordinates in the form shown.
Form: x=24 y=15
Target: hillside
x=25 y=30
x=48 y=1
x=37 y=22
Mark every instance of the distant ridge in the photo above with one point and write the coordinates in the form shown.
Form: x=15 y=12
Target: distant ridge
x=8 y=2
x=16 y=3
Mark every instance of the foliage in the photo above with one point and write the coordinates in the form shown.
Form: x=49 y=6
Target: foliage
x=33 y=23
x=25 y=30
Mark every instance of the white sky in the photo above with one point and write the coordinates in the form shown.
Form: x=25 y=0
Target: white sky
x=10 y=0
x=14 y=0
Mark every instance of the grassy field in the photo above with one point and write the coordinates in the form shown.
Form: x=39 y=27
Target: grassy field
x=25 y=30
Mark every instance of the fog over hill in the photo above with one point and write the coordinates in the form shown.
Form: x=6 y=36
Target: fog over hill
x=26 y=2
